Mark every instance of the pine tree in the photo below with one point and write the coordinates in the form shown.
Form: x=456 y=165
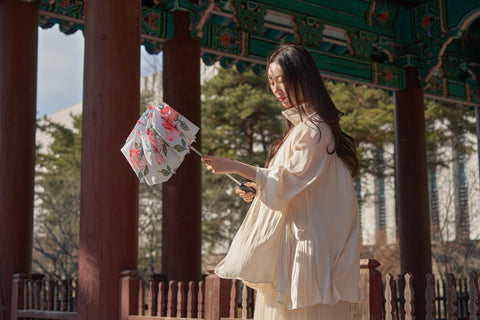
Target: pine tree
x=240 y=120
x=57 y=195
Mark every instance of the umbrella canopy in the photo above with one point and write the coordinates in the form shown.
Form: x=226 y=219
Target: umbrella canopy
x=158 y=143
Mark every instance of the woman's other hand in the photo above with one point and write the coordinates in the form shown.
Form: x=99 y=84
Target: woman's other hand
x=247 y=196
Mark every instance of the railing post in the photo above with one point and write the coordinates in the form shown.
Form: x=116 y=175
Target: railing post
x=201 y=300
x=430 y=297
x=390 y=306
x=409 y=294
x=233 y=299
x=18 y=292
x=128 y=293
x=153 y=283
x=217 y=294
x=451 y=295
x=370 y=307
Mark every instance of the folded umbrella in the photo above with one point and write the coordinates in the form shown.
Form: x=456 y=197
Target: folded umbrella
x=159 y=142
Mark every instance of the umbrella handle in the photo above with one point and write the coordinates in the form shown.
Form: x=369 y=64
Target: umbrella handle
x=242 y=186
x=196 y=151
x=247 y=189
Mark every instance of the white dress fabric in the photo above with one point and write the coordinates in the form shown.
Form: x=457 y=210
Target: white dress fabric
x=268 y=307
x=298 y=245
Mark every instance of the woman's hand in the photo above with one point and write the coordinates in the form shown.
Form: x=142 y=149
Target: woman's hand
x=247 y=196
x=217 y=164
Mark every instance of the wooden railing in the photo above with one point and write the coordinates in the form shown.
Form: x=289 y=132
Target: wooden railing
x=43 y=299
x=222 y=299
x=214 y=298
x=452 y=304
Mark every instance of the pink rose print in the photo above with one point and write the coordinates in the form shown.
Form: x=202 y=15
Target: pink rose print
x=172 y=132
x=168 y=113
x=134 y=158
x=152 y=140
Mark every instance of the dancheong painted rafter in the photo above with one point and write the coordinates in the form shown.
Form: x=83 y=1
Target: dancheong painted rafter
x=352 y=40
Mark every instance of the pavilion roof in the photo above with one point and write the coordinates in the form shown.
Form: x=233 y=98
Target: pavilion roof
x=359 y=41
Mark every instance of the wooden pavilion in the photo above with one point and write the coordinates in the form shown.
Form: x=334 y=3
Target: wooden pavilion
x=413 y=48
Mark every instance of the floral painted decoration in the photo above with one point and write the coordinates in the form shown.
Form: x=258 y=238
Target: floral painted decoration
x=158 y=143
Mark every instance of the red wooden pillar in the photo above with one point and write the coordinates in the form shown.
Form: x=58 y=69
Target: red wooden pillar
x=412 y=186
x=109 y=189
x=181 y=231
x=18 y=84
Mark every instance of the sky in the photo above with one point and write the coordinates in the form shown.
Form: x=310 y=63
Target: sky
x=60 y=69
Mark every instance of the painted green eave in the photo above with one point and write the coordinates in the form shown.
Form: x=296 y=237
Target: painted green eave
x=359 y=41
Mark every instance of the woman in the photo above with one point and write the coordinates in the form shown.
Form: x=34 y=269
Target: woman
x=298 y=245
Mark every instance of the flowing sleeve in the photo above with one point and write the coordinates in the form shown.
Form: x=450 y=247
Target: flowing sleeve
x=305 y=162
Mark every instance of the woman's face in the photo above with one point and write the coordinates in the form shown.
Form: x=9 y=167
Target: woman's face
x=277 y=84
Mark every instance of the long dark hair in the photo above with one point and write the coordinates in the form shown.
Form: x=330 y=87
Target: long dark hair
x=306 y=91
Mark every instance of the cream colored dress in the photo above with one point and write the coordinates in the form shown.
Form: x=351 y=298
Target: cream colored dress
x=298 y=245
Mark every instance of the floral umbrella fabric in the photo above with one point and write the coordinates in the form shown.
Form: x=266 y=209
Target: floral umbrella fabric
x=158 y=143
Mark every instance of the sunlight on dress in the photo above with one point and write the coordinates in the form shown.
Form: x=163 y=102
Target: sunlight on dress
x=268 y=308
